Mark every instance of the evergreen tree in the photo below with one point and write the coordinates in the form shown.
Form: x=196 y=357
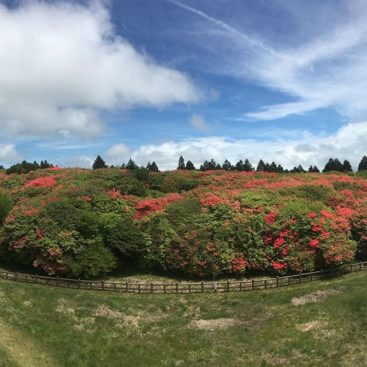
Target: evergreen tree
x=363 y=164
x=123 y=166
x=247 y=166
x=261 y=166
x=190 y=166
x=333 y=165
x=273 y=167
x=227 y=166
x=98 y=163
x=266 y=167
x=131 y=164
x=181 y=163
x=240 y=166
x=152 y=167
x=280 y=169
x=313 y=169
x=347 y=167
x=298 y=169
x=209 y=165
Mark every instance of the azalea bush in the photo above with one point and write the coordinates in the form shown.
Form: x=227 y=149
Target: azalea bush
x=83 y=223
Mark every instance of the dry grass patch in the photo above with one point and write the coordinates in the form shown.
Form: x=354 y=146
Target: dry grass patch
x=312 y=325
x=214 y=324
x=313 y=297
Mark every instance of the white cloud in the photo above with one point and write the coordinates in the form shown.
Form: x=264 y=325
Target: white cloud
x=349 y=142
x=81 y=162
x=319 y=61
x=199 y=123
x=118 y=154
x=8 y=154
x=61 y=63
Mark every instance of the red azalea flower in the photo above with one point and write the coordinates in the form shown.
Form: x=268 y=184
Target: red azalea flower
x=312 y=215
x=327 y=214
x=278 y=266
x=279 y=242
x=271 y=217
x=314 y=243
x=285 y=251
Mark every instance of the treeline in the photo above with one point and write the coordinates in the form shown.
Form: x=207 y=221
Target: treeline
x=333 y=164
x=25 y=167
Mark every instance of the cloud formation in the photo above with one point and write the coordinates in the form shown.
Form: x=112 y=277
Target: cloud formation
x=62 y=63
x=320 y=64
x=8 y=154
x=348 y=142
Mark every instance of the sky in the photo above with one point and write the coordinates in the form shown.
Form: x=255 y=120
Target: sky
x=281 y=80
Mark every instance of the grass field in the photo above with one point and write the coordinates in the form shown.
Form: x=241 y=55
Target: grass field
x=42 y=326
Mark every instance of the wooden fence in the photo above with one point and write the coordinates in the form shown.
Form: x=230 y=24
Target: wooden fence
x=182 y=288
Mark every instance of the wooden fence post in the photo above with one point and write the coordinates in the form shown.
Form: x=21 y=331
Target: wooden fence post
x=277 y=281
x=103 y=285
x=176 y=288
x=151 y=288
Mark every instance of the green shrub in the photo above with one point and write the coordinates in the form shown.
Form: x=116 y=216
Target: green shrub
x=92 y=260
x=5 y=206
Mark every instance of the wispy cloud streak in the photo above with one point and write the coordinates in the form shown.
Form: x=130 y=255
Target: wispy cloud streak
x=228 y=28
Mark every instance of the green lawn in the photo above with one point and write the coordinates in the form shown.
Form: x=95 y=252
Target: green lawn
x=43 y=326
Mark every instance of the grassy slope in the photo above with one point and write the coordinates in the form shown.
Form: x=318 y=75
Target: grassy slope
x=148 y=330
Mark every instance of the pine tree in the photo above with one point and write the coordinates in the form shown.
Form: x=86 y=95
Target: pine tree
x=247 y=166
x=363 y=164
x=181 y=163
x=227 y=165
x=190 y=166
x=131 y=164
x=98 y=163
x=240 y=166
x=273 y=167
x=261 y=166
x=347 y=167
x=280 y=169
x=152 y=167
x=331 y=165
x=313 y=169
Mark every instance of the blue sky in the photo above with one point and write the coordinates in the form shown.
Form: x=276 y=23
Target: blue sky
x=281 y=80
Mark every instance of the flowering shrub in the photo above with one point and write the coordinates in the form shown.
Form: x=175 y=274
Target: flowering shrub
x=149 y=206
x=200 y=224
x=42 y=182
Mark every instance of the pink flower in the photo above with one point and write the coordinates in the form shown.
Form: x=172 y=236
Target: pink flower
x=312 y=215
x=271 y=217
x=314 y=243
x=327 y=214
x=278 y=266
x=279 y=242
x=238 y=264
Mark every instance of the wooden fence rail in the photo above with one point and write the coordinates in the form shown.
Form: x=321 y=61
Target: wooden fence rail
x=184 y=288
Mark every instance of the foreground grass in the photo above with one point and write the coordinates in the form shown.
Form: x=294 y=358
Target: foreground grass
x=69 y=328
